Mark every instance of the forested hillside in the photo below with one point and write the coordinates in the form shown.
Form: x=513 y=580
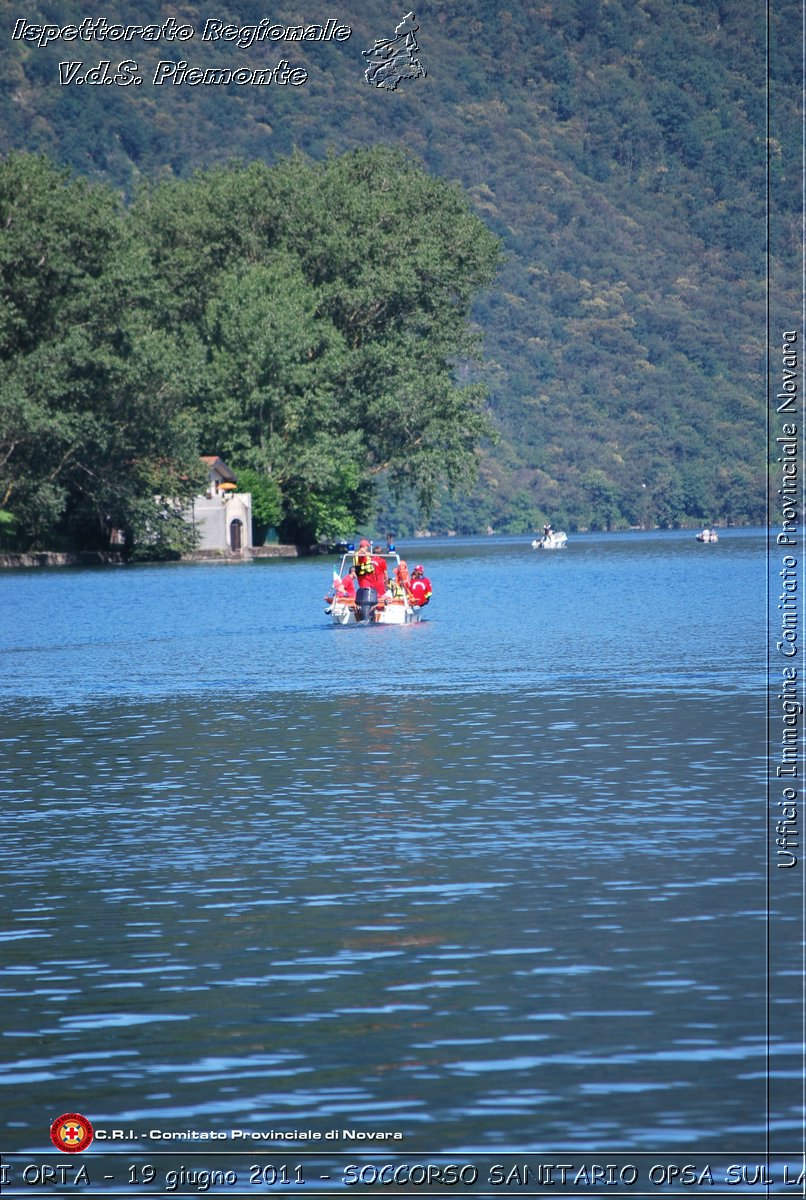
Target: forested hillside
x=617 y=147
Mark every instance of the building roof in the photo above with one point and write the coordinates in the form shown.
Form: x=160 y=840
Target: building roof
x=219 y=466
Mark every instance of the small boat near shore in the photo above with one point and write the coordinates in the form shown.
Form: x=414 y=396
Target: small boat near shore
x=708 y=535
x=368 y=607
x=554 y=540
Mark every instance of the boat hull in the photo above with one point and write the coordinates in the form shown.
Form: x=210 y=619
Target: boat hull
x=552 y=541
x=393 y=612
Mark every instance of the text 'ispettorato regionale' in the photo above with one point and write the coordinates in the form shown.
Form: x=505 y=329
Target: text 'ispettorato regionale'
x=106 y=34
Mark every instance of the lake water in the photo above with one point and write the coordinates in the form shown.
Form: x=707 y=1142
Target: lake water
x=495 y=881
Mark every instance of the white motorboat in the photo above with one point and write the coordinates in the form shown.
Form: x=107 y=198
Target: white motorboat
x=555 y=540
x=367 y=607
x=708 y=535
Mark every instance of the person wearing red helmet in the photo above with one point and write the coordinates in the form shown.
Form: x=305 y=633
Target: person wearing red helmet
x=420 y=587
x=371 y=570
x=364 y=566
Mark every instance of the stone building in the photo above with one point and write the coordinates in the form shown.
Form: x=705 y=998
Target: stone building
x=223 y=515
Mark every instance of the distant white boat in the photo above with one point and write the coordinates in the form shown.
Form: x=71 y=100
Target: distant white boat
x=708 y=535
x=551 y=541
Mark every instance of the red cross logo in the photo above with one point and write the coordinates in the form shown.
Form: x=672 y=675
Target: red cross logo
x=71 y=1132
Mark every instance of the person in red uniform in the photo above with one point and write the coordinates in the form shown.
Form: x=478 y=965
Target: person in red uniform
x=370 y=568
x=381 y=575
x=420 y=587
x=343 y=589
x=346 y=589
x=364 y=566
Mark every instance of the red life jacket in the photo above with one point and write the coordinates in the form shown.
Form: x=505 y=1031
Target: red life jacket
x=365 y=570
x=371 y=572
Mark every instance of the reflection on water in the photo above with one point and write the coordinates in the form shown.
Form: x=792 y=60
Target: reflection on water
x=494 y=880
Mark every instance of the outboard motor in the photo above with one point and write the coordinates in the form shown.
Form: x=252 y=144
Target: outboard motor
x=366 y=600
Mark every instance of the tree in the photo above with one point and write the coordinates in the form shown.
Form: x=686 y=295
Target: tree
x=332 y=303
x=274 y=389
x=399 y=256
x=522 y=515
x=267 y=500
x=603 y=498
x=92 y=424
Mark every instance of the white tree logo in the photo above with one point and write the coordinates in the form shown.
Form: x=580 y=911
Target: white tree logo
x=394 y=59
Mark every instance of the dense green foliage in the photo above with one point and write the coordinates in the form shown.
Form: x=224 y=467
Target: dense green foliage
x=302 y=321
x=92 y=397
x=619 y=150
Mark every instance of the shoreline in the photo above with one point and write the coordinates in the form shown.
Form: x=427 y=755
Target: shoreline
x=90 y=558
x=84 y=558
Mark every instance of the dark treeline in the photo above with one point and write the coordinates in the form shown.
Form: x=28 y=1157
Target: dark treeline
x=302 y=321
